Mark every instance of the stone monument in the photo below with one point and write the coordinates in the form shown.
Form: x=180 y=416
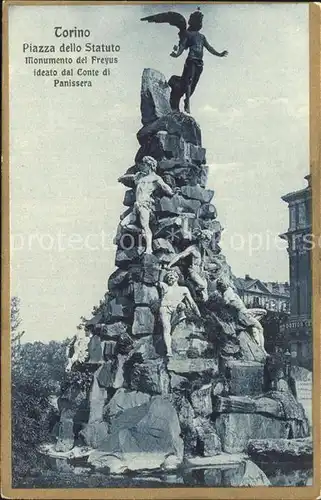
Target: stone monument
x=172 y=365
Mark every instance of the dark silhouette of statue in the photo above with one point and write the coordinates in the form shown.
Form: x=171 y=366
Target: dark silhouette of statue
x=192 y=40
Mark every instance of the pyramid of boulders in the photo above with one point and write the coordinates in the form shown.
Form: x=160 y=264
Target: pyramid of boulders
x=128 y=395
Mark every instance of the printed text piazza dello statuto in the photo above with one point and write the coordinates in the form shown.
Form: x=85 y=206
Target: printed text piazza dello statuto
x=68 y=48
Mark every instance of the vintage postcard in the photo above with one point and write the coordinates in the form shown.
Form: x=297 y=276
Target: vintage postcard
x=161 y=256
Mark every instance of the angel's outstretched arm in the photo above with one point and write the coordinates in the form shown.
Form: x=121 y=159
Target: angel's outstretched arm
x=165 y=187
x=181 y=255
x=213 y=51
x=179 y=51
x=181 y=47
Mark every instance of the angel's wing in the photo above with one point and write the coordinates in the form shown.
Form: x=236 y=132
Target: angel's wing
x=172 y=18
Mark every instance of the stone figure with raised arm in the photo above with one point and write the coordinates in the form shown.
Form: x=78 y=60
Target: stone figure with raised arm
x=192 y=40
x=146 y=182
x=195 y=270
x=174 y=298
x=247 y=317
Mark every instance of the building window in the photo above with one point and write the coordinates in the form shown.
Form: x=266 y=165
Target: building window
x=296 y=215
x=308 y=210
x=302 y=215
x=298 y=298
x=292 y=217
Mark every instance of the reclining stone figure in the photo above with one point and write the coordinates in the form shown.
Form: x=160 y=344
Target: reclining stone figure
x=247 y=317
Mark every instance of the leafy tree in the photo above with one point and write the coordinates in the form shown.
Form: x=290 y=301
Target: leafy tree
x=37 y=370
x=31 y=411
x=43 y=364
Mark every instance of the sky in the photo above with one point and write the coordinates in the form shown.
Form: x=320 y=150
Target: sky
x=68 y=146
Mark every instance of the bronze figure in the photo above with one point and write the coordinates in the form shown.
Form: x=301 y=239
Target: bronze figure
x=192 y=40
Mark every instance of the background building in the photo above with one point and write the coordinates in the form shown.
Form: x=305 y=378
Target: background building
x=272 y=296
x=298 y=329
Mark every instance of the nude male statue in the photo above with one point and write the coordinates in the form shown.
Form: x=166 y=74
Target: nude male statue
x=146 y=182
x=249 y=317
x=173 y=296
x=195 y=270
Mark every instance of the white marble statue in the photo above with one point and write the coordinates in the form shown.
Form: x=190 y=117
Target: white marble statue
x=146 y=182
x=173 y=298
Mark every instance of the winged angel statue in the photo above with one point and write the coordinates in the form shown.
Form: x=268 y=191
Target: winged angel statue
x=192 y=40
